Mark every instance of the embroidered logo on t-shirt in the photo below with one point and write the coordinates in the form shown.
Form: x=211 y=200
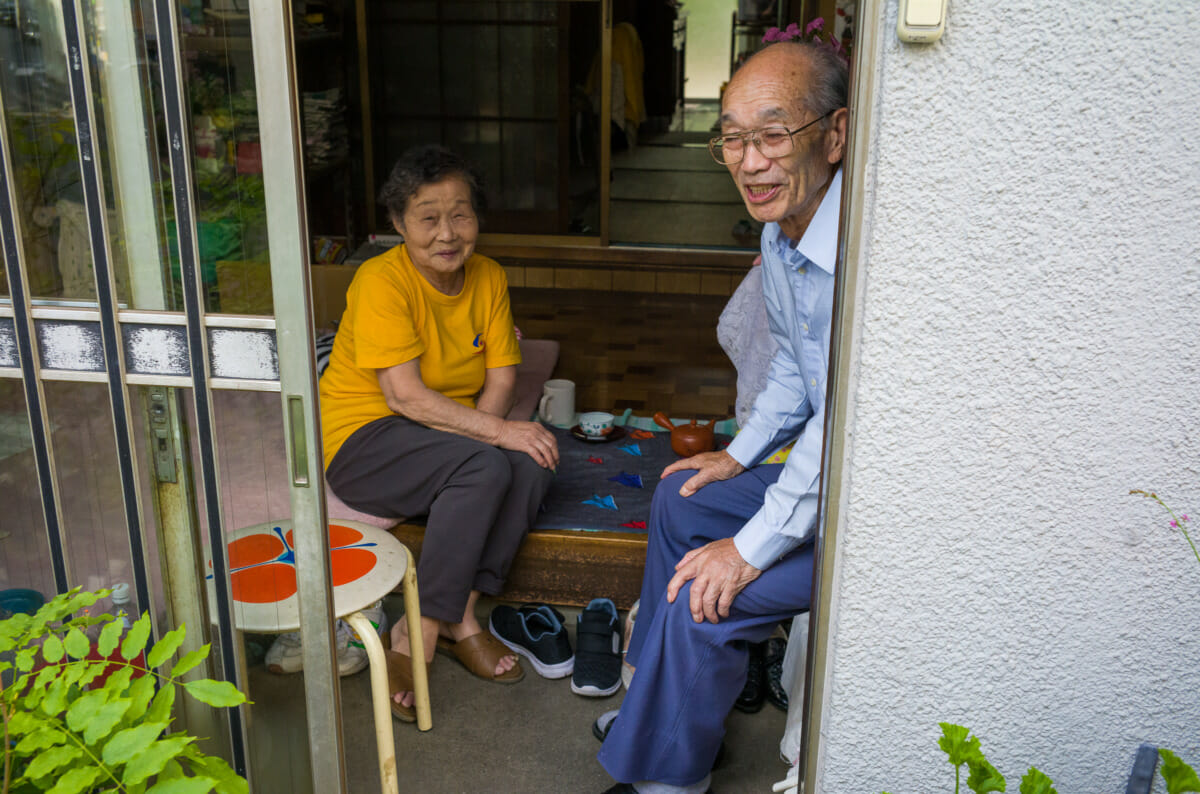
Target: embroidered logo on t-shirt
x=477 y=343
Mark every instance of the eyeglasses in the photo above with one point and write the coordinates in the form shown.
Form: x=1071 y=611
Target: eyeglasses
x=771 y=142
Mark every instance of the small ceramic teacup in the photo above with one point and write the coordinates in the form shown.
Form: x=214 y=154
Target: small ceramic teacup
x=596 y=423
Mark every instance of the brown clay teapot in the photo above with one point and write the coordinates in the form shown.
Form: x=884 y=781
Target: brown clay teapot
x=687 y=440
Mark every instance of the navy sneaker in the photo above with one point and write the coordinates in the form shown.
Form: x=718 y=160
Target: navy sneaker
x=537 y=633
x=597 y=650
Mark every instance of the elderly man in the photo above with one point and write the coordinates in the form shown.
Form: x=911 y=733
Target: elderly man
x=730 y=551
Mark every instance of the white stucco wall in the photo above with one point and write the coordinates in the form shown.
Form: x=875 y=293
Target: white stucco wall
x=1029 y=351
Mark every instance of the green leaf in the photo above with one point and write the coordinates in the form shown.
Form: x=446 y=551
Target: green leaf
x=105 y=720
x=220 y=694
x=228 y=781
x=984 y=778
x=25 y=659
x=83 y=600
x=160 y=707
x=118 y=682
x=85 y=707
x=110 y=637
x=52 y=649
x=173 y=768
x=40 y=739
x=55 y=700
x=23 y=722
x=957 y=744
x=45 y=763
x=46 y=675
x=140 y=694
x=1036 y=782
x=165 y=648
x=126 y=744
x=135 y=640
x=1178 y=775
x=76 y=780
x=77 y=643
x=190 y=660
x=183 y=785
x=91 y=672
x=151 y=760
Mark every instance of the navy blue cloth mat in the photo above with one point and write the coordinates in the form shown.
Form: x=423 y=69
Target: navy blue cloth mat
x=606 y=485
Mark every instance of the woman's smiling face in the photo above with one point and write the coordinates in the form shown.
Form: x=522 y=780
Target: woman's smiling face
x=440 y=228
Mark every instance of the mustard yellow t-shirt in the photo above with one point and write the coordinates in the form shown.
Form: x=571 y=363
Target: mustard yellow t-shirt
x=394 y=315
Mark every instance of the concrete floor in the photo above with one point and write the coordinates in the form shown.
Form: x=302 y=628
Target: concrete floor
x=533 y=737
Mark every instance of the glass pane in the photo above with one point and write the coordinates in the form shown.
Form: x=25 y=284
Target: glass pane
x=45 y=164
x=254 y=490
x=665 y=187
x=24 y=549
x=128 y=144
x=227 y=163
x=515 y=101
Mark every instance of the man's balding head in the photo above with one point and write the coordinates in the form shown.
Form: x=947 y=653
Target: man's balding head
x=801 y=87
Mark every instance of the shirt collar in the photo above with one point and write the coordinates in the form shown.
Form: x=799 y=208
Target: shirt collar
x=819 y=243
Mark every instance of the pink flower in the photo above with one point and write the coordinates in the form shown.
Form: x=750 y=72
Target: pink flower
x=772 y=34
x=793 y=31
x=1185 y=517
x=816 y=24
x=1173 y=524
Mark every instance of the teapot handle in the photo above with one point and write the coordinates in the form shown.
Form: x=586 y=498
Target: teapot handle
x=663 y=421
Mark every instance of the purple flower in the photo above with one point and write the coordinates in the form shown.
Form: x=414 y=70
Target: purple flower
x=1173 y=524
x=772 y=34
x=816 y=24
x=793 y=31
x=1185 y=517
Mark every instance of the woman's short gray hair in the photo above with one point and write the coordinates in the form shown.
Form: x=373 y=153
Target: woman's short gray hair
x=428 y=165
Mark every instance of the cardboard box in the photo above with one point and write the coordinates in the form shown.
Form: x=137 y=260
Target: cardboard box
x=329 y=285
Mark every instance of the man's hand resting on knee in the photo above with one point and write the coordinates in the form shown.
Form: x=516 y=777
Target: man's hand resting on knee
x=711 y=466
x=718 y=573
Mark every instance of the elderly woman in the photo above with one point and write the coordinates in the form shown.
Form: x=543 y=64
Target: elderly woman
x=413 y=407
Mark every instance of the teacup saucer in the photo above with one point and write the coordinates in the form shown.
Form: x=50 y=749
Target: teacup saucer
x=613 y=435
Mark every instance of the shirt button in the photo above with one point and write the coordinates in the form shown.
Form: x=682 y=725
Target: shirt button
x=805 y=326
x=800 y=270
x=812 y=382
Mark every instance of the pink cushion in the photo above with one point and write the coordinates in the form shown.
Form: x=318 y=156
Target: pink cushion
x=339 y=509
x=538 y=357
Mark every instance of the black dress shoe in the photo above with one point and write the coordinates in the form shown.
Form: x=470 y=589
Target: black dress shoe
x=755 y=690
x=777 y=694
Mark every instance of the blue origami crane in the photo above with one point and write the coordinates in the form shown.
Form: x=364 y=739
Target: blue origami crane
x=625 y=478
x=606 y=502
x=632 y=449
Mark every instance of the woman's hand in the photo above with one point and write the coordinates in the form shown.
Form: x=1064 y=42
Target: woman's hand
x=531 y=438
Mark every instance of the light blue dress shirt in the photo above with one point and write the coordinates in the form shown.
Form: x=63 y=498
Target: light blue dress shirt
x=798 y=290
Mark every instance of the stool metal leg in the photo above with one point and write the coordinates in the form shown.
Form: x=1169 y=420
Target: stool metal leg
x=416 y=644
x=385 y=740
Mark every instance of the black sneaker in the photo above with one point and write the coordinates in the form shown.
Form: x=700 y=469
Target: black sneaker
x=777 y=694
x=537 y=634
x=597 y=650
x=755 y=690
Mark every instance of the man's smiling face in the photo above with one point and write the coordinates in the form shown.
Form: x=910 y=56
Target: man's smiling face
x=768 y=91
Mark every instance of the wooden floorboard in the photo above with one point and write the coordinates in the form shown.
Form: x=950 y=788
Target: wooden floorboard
x=566 y=567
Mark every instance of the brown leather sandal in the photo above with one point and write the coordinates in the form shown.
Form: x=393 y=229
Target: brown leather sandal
x=399 y=670
x=480 y=653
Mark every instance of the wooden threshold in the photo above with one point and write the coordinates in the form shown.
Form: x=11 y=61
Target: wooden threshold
x=568 y=567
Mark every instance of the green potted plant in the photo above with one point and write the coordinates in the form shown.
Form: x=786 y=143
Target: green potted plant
x=86 y=706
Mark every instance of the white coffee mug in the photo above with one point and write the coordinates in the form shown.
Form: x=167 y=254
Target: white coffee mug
x=557 y=406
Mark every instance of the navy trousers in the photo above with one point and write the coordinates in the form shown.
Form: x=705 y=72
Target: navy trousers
x=689 y=674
